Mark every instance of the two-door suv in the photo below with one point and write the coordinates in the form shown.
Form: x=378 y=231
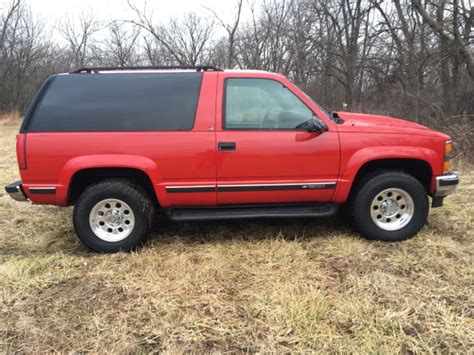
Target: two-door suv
x=203 y=143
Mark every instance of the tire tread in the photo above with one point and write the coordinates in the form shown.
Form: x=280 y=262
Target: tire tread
x=363 y=188
x=113 y=186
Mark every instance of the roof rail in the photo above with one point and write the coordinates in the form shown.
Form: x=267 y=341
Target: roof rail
x=89 y=70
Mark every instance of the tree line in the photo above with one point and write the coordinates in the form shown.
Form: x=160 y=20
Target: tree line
x=409 y=58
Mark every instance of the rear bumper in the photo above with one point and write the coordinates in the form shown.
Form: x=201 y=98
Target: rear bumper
x=16 y=191
x=446 y=184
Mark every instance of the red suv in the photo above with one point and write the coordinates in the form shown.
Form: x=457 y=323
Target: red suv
x=203 y=143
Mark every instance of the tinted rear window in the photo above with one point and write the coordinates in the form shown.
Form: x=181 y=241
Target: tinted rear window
x=118 y=102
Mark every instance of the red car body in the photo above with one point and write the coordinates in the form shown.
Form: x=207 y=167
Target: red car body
x=191 y=158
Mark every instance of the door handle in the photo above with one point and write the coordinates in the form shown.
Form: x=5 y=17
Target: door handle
x=226 y=146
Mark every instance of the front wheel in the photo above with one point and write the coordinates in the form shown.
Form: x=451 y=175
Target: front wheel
x=389 y=206
x=113 y=216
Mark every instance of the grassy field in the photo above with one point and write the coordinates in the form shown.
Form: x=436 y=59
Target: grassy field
x=284 y=285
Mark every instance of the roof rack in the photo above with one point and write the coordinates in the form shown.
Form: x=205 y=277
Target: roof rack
x=89 y=70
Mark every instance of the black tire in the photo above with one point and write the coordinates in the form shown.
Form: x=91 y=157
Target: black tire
x=367 y=190
x=134 y=196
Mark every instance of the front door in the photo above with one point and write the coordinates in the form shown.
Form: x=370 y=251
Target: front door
x=261 y=157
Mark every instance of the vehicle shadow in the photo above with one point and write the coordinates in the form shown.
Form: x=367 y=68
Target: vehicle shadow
x=168 y=232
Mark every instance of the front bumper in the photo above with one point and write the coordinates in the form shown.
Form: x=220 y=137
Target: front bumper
x=16 y=191
x=446 y=184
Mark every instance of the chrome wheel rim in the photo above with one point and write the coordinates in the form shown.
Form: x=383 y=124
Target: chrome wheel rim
x=392 y=209
x=112 y=220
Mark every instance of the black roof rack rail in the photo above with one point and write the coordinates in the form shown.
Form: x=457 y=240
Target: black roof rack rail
x=89 y=70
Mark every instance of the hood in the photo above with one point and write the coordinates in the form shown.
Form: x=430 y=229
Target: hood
x=377 y=121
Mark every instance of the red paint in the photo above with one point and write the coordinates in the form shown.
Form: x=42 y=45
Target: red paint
x=21 y=150
x=262 y=157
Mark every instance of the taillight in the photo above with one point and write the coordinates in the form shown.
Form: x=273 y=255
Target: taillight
x=21 y=150
x=448 y=156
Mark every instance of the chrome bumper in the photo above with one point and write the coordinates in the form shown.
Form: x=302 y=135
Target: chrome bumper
x=446 y=184
x=15 y=191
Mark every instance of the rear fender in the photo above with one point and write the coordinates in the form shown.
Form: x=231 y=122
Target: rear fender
x=76 y=164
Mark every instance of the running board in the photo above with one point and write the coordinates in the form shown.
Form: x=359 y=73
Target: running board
x=252 y=211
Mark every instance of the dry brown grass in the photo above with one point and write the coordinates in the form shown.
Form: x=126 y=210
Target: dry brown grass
x=235 y=286
x=10 y=119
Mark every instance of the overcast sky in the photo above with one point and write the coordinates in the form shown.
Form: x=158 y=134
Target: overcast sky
x=118 y=9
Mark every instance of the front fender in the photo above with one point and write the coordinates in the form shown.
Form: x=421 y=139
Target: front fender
x=365 y=155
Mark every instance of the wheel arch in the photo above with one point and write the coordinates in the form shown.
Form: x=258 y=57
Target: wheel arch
x=83 y=178
x=419 y=168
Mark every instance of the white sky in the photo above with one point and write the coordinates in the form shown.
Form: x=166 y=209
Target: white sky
x=52 y=12
x=105 y=10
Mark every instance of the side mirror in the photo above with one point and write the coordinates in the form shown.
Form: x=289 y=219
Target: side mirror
x=314 y=124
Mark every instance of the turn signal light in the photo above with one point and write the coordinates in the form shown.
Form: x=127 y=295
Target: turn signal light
x=447 y=166
x=448 y=156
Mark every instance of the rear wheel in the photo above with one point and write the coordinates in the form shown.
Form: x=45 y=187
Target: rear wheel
x=113 y=216
x=389 y=206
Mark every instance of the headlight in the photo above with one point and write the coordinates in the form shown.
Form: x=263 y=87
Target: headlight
x=448 y=157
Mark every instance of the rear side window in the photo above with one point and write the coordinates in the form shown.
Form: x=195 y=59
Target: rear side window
x=118 y=102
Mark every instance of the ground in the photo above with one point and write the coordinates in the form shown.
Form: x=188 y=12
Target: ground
x=284 y=285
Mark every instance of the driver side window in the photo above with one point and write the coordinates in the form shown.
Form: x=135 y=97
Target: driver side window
x=262 y=104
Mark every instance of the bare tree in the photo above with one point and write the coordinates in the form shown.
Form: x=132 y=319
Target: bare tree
x=23 y=49
x=231 y=30
x=185 y=39
x=348 y=22
x=121 y=45
x=409 y=53
x=6 y=20
x=462 y=43
x=79 y=35
x=252 y=39
x=303 y=42
x=264 y=42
